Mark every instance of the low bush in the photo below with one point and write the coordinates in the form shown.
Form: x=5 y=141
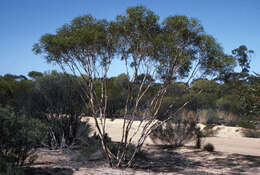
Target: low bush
x=94 y=146
x=212 y=117
x=246 y=124
x=208 y=116
x=175 y=133
x=242 y=123
x=209 y=147
x=66 y=131
x=19 y=138
x=208 y=131
x=251 y=133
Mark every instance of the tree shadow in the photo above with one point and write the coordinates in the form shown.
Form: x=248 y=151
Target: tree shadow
x=47 y=171
x=52 y=162
x=163 y=158
x=166 y=159
x=237 y=163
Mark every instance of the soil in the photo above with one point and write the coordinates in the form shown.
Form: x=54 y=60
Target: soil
x=157 y=160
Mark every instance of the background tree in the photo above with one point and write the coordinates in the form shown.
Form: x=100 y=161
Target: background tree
x=242 y=54
x=34 y=75
x=56 y=100
x=6 y=92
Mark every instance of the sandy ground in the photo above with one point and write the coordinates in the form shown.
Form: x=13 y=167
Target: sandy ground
x=244 y=146
x=182 y=161
x=227 y=139
x=234 y=154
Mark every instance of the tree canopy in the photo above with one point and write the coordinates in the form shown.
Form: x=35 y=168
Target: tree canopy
x=171 y=48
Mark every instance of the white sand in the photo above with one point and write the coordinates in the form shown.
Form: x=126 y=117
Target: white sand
x=227 y=139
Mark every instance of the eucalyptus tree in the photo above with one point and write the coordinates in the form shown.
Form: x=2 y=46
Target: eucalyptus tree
x=85 y=47
x=6 y=92
x=35 y=75
x=243 y=54
x=158 y=53
x=250 y=97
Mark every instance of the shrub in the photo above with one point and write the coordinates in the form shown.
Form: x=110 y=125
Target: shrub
x=56 y=99
x=66 y=131
x=232 y=123
x=246 y=124
x=19 y=138
x=212 y=117
x=208 y=116
x=87 y=151
x=209 y=147
x=94 y=146
x=176 y=133
x=208 y=131
x=251 y=133
x=114 y=147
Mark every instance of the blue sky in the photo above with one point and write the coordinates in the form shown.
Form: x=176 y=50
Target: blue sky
x=23 y=22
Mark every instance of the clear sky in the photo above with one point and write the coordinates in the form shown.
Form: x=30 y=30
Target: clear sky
x=23 y=22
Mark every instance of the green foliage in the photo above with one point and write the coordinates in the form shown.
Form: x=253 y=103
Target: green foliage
x=20 y=135
x=229 y=103
x=15 y=92
x=204 y=93
x=242 y=55
x=94 y=146
x=9 y=170
x=208 y=116
x=12 y=77
x=212 y=117
x=137 y=37
x=251 y=100
x=208 y=131
x=252 y=133
x=175 y=97
x=35 y=75
x=165 y=108
x=246 y=124
x=56 y=93
x=175 y=133
x=6 y=92
x=117 y=94
x=66 y=131
x=113 y=146
x=87 y=151
x=22 y=94
x=209 y=147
